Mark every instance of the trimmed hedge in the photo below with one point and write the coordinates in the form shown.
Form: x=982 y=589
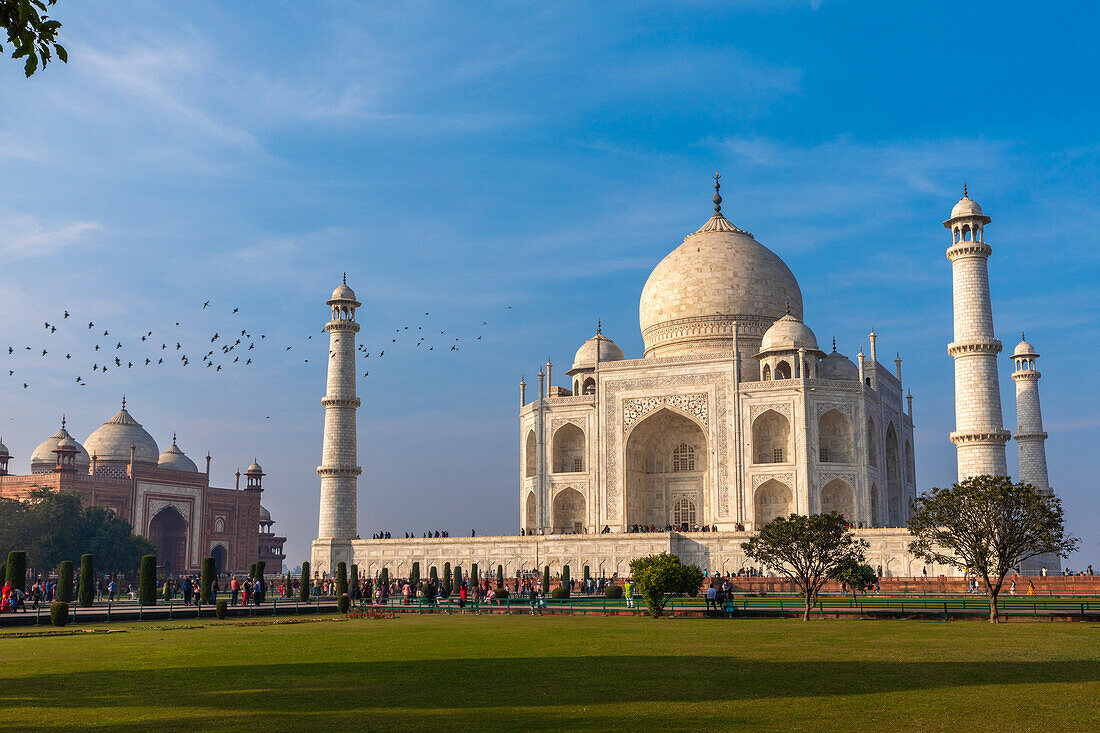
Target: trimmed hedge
x=384 y=577
x=458 y=578
x=65 y=581
x=586 y=573
x=447 y=577
x=341 y=579
x=252 y=571
x=433 y=575
x=343 y=603
x=220 y=609
x=560 y=592
x=15 y=571
x=209 y=571
x=59 y=613
x=147 y=581
x=545 y=579
x=613 y=591
x=303 y=590
x=354 y=576
x=87 y=581
x=500 y=576
x=475 y=578
x=500 y=593
x=565 y=579
x=414 y=576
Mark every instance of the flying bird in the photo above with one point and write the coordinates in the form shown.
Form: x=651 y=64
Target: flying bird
x=66 y=314
x=204 y=305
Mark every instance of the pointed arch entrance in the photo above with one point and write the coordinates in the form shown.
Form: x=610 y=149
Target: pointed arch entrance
x=666 y=463
x=168 y=532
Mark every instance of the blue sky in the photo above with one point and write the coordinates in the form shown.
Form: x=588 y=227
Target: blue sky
x=459 y=159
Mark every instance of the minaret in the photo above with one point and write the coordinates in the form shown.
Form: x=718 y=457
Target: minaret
x=979 y=433
x=339 y=469
x=1029 y=419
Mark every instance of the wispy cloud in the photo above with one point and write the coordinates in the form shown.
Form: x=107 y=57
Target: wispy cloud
x=26 y=236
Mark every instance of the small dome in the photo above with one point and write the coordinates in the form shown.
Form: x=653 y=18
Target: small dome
x=1024 y=348
x=837 y=366
x=175 y=459
x=43 y=459
x=343 y=292
x=966 y=207
x=112 y=440
x=786 y=334
x=254 y=469
x=599 y=345
x=4 y=450
x=67 y=443
x=265 y=515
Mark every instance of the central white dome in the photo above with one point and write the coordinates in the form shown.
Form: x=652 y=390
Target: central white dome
x=719 y=276
x=112 y=440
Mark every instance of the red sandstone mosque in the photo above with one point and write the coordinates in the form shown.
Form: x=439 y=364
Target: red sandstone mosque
x=163 y=496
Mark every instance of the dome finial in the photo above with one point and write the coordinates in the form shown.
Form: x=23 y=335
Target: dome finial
x=345 y=278
x=788 y=305
x=173 y=437
x=834 y=344
x=965 y=194
x=717 y=196
x=123 y=402
x=62 y=422
x=599 y=327
x=1022 y=336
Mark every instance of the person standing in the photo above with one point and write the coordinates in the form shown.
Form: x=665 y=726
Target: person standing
x=187 y=590
x=234 y=590
x=628 y=593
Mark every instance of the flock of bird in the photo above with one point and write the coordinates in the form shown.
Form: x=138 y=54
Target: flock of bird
x=239 y=348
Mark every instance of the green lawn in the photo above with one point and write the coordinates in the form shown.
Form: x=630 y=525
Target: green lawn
x=563 y=673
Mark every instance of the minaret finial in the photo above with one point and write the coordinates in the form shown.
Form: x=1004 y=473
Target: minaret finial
x=834 y=344
x=788 y=305
x=599 y=327
x=173 y=437
x=123 y=402
x=62 y=422
x=1022 y=336
x=965 y=194
x=717 y=196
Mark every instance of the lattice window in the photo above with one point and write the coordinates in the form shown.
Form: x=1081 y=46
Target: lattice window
x=684 y=512
x=683 y=458
x=578 y=465
x=777 y=455
x=823 y=455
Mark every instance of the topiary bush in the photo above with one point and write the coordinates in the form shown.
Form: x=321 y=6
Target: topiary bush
x=414 y=576
x=252 y=571
x=209 y=571
x=147 y=581
x=500 y=576
x=87 y=581
x=341 y=579
x=560 y=592
x=447 y=577
x=59 y=613
x=384 y=579
x=65 y=581
x=15 y=570
x=545 y=579
x=303 y=590
x=586 y=574
x=343 y=603
x=500 y=593
x=613 y=591
x=565 y=578
x=474 y=577
x=433 y=575
x=354 y=579
x=220 y=609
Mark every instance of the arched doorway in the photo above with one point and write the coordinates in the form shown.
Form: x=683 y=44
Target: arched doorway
x=168 y=532
x=568 y=510
x=834 y=437
x=837 y=496
x=771 y=438
x=529 y=514
x=893 y=478
x=220 y=557
x=773 y=499
x=569 y=449
x=529 y=455
x=666 y=462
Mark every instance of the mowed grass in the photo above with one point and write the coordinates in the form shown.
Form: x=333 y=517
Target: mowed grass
x=468 y=672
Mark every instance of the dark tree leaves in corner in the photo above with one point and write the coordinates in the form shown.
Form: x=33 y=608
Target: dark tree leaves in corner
x=31 y=33
x=807 y=550
x=987 y=525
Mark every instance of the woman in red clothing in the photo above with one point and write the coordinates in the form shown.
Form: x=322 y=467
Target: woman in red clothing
x=462 y=597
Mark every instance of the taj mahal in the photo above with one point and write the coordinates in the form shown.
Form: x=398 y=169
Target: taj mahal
x=734 y=415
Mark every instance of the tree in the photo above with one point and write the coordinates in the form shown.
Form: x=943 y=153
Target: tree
x=303 y=583
x=447 y=577
x=15 y=570
x=546 y=580
x=500 y=576
x=354 y=576
x=660 y=577
x=31 y=33
x=988 y=525
x=433 y=575
x=341 y=579
x=209 y=572
x=565 y=579
x=384 y=578
x=806 y=549
x=147 y=581
x=474 y=577
x=65 y=581
x=86 y=596
x=856 y=577
x=414 y=576
x=458 y=578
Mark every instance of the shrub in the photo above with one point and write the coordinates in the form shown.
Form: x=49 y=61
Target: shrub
x=384 y=578
x=15 y=571
x=261 y=568
x=587 y=575
x=65 y=581
x=220 y=608
x=447 y=577
x=433 y=575
x=341 y=579
x=560 y=592
x=354 y=576
x=87 y=582
x=613 y=591
x=252 y=571
x=147 y=581
x=59 y=613
x=500 y=593
x=565 y=577
x=343 y=603
x=303 y=591
x=474 y=577
x=545 y=579
x=500 y=576
x=458 y=578
x=414 y=576
x=209 y=571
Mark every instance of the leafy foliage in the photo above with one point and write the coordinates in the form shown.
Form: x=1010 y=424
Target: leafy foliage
x=15 y=570
x=59 y=613
x=560 y=592
x=65 y=581
x=147 y=581
x=343 y=603
x=342 y=579
x=209 y=572
x=86 y=594
x=54 y=526
x=565 y=579
x=806 y=549
x=500 y=576
x=31 y=33
x=447 y=577
x=414 y=576
x=545 y=579
x=857 y=577
x=988 y=525
x=613 y=591
x=660 y=577
x=221 y=608
x=303 y=590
